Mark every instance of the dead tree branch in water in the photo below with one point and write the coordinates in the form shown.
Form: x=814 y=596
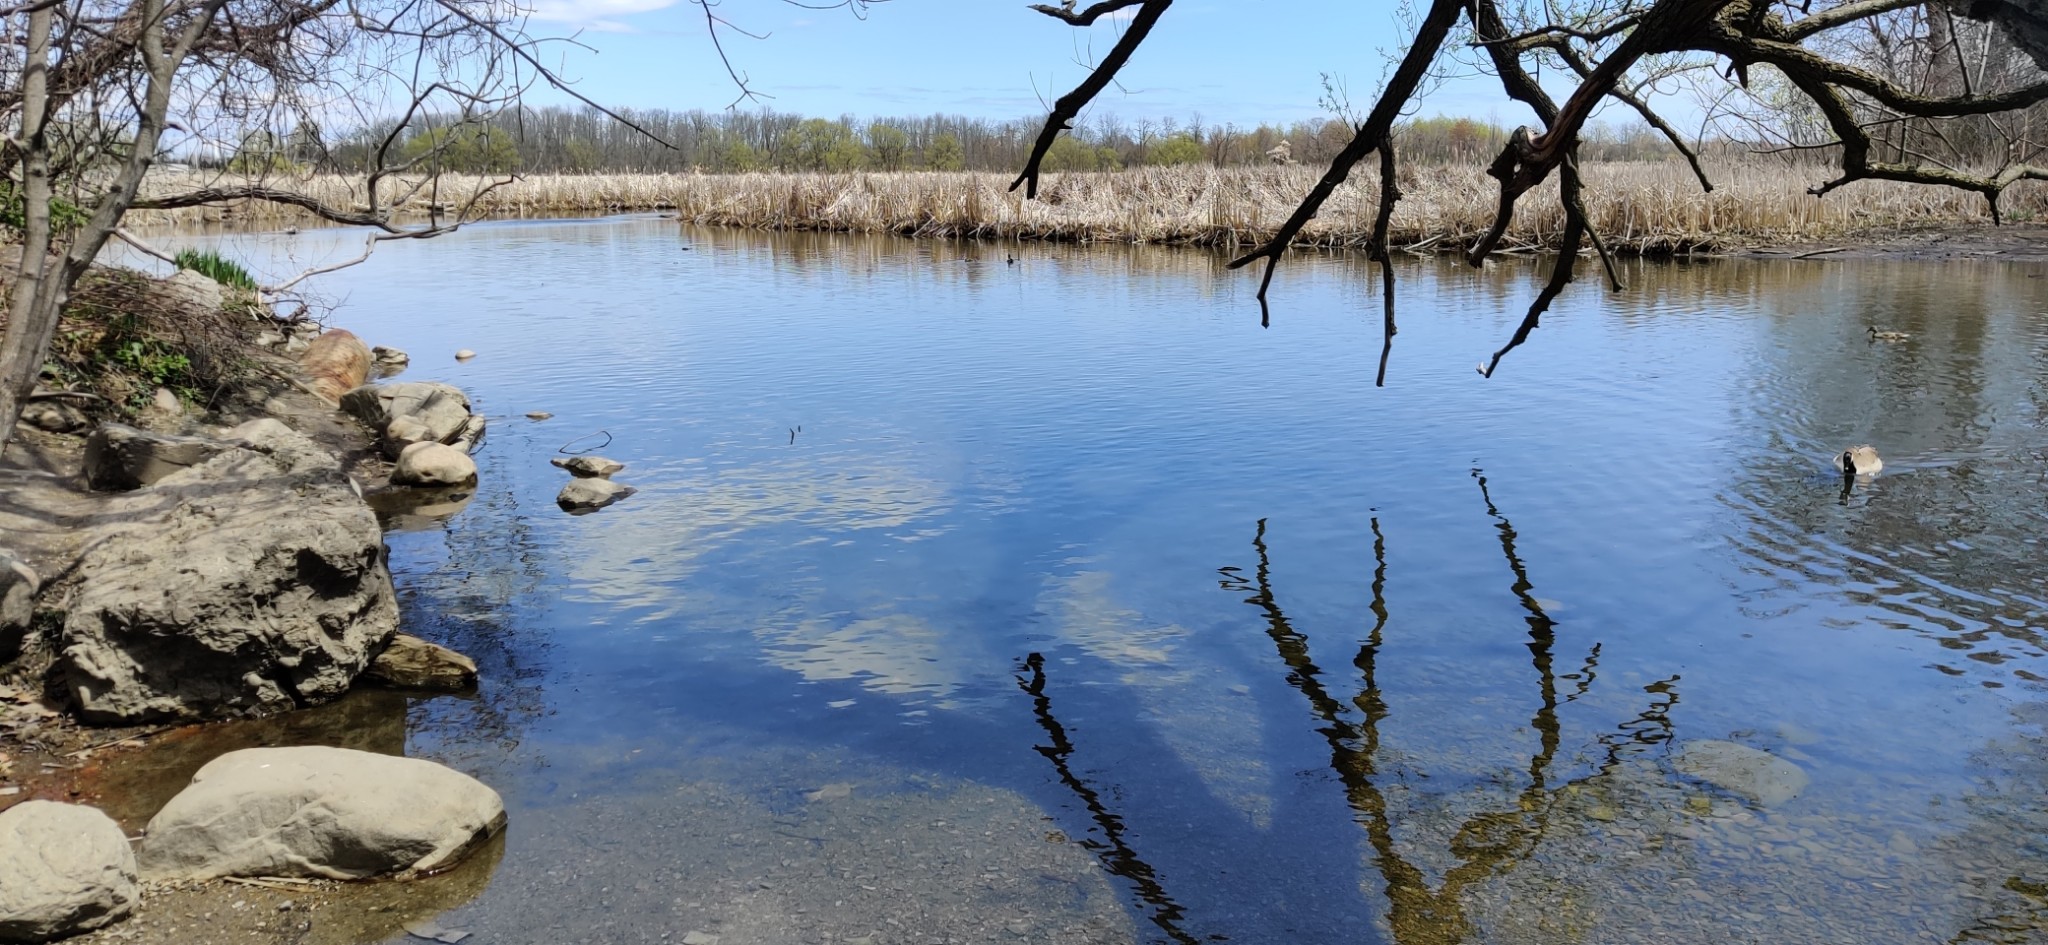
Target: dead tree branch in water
x=1619 y=50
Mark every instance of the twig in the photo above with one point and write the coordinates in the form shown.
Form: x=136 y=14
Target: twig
x=285 y=883
x=564 y=448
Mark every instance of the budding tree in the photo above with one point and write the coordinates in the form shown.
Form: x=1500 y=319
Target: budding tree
x=94 y=92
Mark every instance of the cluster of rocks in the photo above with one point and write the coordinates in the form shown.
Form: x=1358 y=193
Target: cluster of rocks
x=227 y=572
x=427 y=428
x=289 y=338
x=55 y=416
x=315 y=812
x=591 y=486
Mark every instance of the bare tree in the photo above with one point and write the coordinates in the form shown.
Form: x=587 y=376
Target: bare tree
x=94 y=92
x=1969 y=59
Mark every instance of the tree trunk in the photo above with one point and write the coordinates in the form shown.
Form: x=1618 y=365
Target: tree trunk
x=32 y=312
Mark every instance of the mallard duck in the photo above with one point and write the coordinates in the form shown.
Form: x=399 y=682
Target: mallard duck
x=1859 y=461
x=1878 y=334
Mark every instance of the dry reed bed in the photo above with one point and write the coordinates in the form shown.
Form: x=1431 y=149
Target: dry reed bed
x=1639 y=207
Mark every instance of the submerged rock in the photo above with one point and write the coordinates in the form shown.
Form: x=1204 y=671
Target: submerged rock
x=1758 y=775
x=539 y=415
x=64 y=869
x=594 y=467
x=253 y=582
x=324 y=812
x=433 y=464
x=412 y=663
x=589 y=495
x=18 y=587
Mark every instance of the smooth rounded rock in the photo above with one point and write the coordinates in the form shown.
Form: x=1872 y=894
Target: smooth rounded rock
x=165 y=402
x=193 y=290
x=335 y=363
x=322 y=812
x=412 y=663
x=464 y=355
x=589 y=495
x=1758 y=775
x=64 y=869
x=433 y=464
x=590 y=467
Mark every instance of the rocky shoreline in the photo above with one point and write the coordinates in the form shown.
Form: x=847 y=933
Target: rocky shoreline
x=165 y=566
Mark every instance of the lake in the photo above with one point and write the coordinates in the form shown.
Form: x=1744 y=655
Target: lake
x=965 y=600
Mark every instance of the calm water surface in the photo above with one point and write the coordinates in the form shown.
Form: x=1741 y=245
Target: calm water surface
x=1081 y=608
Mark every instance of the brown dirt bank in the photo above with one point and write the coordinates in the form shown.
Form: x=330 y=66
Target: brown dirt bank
x=2025 y=242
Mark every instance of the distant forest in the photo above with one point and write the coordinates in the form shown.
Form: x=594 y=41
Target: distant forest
x=570 y=141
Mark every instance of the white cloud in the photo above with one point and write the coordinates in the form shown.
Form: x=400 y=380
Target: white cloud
x=594 y=14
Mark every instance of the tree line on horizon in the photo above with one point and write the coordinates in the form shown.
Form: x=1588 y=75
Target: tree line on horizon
x=559 y=140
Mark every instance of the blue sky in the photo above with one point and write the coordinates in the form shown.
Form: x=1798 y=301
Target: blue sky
x=1227 y=61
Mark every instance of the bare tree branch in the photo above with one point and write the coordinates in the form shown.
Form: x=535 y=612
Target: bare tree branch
x=1069 y=106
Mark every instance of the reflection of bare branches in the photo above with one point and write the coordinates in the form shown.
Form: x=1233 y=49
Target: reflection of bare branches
x=1114 y=851
x=1485 y=844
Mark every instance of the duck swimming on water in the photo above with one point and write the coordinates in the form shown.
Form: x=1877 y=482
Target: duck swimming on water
x=1859 y=461
x=1880 y=334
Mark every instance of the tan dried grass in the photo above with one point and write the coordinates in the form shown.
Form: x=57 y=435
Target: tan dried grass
x=1639 y=207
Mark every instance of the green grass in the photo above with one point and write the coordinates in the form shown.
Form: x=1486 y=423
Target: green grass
x=214 y=266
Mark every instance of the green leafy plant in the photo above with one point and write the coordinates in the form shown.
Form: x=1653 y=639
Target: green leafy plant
x=212 y=265
x=64 y=215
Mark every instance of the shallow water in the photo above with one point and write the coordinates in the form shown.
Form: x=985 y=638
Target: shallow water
x=1058 y=601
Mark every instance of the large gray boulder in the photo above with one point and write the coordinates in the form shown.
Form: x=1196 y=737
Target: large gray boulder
x=18 y=587
x=64 y=869
x=1758 y=775
x=321 y=812
x=430 y=412
x=433 y=464
x=251 y=583
x=194 y=290
x=119 y=457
